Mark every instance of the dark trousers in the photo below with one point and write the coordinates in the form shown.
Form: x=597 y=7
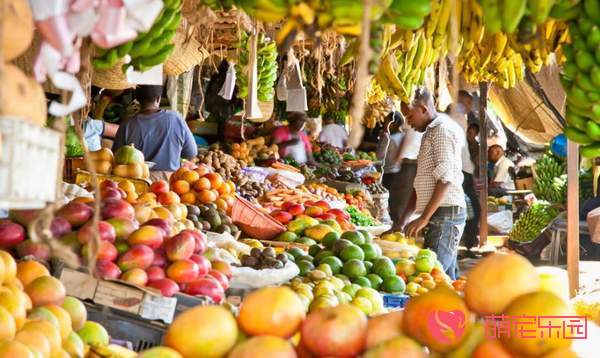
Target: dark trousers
x=400 y=187
x=469 y=237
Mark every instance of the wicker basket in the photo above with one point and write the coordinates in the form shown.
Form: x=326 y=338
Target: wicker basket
x=253 y=222
x=113 y=78
x=187 y=54
x=26 y=60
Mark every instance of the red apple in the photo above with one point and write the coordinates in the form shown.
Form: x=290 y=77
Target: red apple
x=183 y=271
x=180 y=246
x=11 y=234
x=110 y=193
x=296 y=209
x=60 y=226
x=339 y=213
x=76 y=213
x=203 y=263
x=166 y=286
x=220 y=277
x=159 y=187
x=123 y=226
x=107 y=269
x=155 y=273
x=105 y=230
x=117 y=208
x=161 y=223
x=206 y=286
x=138 y=256
x=323 y=205
x=287 y=205
x=106 y=251
x=282 y=216
x=109 y=184
x=28 y=248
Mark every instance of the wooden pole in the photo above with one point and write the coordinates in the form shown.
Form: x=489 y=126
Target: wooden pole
x=483 y=179
x=573 y=217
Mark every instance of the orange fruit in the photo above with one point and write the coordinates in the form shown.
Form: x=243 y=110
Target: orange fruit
x=490 y=349
x=190 y=176
x=168 y=198
x=202 y=170
x=207 y=196
x=215 y=180
x=229 y=199
x=231 y=186
x=224 y=189
x=178 y=174
x=215 y=192
x=29 y=270
x=181 y=186
x=221 y=204
x=188 y=198
x=202 y=184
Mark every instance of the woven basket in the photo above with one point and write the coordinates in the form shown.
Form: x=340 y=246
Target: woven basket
x=113 y=78
x=187 y=54
x=26 y=60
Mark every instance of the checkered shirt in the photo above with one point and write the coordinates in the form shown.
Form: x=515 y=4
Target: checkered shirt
x=440 y=159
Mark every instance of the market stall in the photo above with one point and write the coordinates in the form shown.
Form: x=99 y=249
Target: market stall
x=246 y=248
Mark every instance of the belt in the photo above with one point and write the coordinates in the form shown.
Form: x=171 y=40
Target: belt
x=449 y=210
x=409 y=161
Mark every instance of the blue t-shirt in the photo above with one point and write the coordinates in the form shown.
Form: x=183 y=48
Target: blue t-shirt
x=163 y=137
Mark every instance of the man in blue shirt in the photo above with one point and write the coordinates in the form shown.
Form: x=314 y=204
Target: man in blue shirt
x=162 y=135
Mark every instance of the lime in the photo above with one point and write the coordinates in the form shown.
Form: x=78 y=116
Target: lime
x=296 y=252
x=323 y=254
x=428 y=253
x=334 y=263
x=314 y=250
x=329 y=239
x=362 y=282
x=323 y=302
x=351 y=289
x=384 y=267
x=367 y=235
x=287 y=236
x=339 y=245
x=370 y=251
x=363 y=304
x=325 y=268
x=425 y=263
x=305 y=267
x=306 y=241
x=354 y=237
x=354 y=268
x=375 y=280
x=342 y=277
x=352 y=252
x=393 y=284
x=369 y=266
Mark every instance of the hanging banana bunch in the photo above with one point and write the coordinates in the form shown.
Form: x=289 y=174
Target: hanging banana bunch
x=266 y=65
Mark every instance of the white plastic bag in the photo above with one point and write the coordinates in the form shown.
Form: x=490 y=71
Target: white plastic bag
x=501 y=222
x=249 y=278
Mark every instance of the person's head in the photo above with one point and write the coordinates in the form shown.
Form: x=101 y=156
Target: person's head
x=421 y=111
x=466 y=100
x=472 y=132
x=297 y=120
x=148 y=95
x=495 y=152
x=328 y=120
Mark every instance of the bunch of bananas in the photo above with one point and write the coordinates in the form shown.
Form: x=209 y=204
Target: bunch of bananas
x=581 y=80
x=375 y=93
x=149 y=49
x=531 y=223
x=508 y=15
x=550 y=179
x=408 y=14
x=218 y=5
x=266 y=63
x=568 y=9
x=376 y=113
x=548 y=39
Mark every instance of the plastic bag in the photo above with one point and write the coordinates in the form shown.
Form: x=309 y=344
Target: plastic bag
x=501 y=222
x=249 y=278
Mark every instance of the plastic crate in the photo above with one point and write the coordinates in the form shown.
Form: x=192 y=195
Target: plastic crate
x=254 y=222
x=125 y=327
x=28 y=153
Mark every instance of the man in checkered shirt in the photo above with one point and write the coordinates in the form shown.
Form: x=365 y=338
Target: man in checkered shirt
x=438 y=197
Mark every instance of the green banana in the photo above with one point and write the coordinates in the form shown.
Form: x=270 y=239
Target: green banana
x=592 y=9
x=491 y=15
x=576 y=121
x=577 y=136
x=591 y=151
x=593 y=130
x=158 y=58
x=540 y=10
x=124 y=49
x=511 y=13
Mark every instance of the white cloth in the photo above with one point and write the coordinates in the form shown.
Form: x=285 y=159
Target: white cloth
x=467 y=164
x=334 y=134
x=393 y=143
x=411 y=144
x=440 y=160
x=502 y=175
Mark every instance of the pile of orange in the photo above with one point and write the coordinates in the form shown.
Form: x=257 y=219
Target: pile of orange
x=200 y=186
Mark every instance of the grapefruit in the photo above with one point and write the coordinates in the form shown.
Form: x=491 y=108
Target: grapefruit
x=202 y=332
x=438 y=319
x=276 y=311
x=400 y=346
x=29 y=270
x=264 y=347
x=383 y=327
x=537 y=304
x=497 y=280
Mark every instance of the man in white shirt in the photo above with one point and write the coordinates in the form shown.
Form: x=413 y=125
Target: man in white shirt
x=438 y=195
x=388 y=149
x=503 y=168
x=333 y=134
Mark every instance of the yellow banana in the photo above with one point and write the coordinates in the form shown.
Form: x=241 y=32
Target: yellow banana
x=434 y=18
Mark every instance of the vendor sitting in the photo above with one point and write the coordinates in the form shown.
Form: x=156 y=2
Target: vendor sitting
x=161 y=135
x=502 y=177
x=291 y=139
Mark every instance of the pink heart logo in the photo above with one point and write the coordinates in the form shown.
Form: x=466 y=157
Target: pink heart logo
x=446 y=326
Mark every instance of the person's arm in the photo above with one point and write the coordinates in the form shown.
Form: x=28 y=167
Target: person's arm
x=119 y=138
x=189 y=149
x=439 y=193
x=408 y=211
x=110 y=130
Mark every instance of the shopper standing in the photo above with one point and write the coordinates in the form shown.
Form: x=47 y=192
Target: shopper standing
x=333 y=134
x=438 y=196
x=469 y=238
x=388 y=149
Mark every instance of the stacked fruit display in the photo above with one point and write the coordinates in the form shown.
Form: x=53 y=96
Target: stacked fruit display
x=208 y=217
x=327 y=154
x=149 y=49
x=265 y=258
x=305 y=219
x=266 y=57
x=531 y=223
x=360 y=217
x=127 y=162
x=253 y=149
x=223 y=164
x=199 y=186
x=37 y=319
x=500 y=285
